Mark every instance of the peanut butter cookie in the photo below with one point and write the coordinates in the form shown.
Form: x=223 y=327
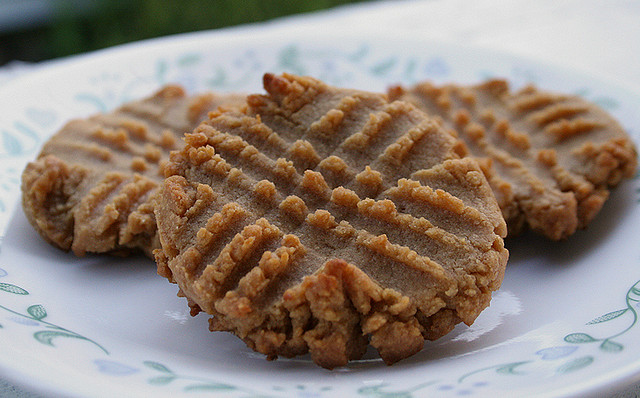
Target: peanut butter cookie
x=321 y=220
x=91 y=186
x=550 y=158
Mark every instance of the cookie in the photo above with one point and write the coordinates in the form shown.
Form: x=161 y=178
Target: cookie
x=90 y=188
x=320 y=220
x=550 y=158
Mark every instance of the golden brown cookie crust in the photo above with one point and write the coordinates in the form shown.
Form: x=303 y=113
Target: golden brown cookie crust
x=550 y=158
x=91 y=187
x=321 y=220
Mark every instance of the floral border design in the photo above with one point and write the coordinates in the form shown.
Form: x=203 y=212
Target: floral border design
x=607 y=344
x=35 y=316
x=157 y=374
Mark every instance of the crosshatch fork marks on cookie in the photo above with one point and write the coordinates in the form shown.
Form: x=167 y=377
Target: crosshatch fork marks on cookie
x=92 y=185
x=550 y=158
x=309 y=222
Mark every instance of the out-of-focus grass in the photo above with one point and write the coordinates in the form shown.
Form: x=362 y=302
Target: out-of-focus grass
x=112 y=22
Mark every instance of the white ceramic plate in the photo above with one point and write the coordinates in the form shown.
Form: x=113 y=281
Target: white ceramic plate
x=565 y=321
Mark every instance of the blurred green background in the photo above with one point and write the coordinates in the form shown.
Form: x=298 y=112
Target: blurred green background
x=35 y=30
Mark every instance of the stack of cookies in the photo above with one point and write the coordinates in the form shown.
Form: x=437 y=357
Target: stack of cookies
x=322 y=220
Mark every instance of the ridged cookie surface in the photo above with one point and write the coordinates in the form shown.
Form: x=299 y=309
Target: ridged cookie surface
x=322 y=220
x=550 y=158
x=91 y=186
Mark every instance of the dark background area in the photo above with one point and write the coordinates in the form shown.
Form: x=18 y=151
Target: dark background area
x=36 y=30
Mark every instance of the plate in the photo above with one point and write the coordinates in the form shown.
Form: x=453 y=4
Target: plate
x=565 y=321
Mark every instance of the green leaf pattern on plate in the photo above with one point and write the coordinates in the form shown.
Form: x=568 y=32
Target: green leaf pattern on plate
x=609 y=316
x=35 y=315
x=9 y=288
x=579 y=338
x=575 y=364
x=607 y=344
x=193 y=384
x=503 y=369
x=157 y=366
x=384 y=391
x=47 y=336
x=37 y=312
